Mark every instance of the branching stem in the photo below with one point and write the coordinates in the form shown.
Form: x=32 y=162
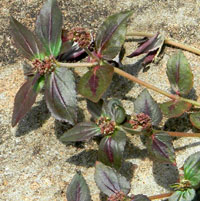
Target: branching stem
x=132 y=78
x=167 y=41
x=155 y=197
x=181 y=134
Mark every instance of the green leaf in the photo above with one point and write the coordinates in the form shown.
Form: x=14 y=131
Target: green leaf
x=109 y=181
x=116 y=111
x=111 y=35
x=160 y=147
x=81 y=132
x=39 y=84
x=192 y=169
x=95 y=82
x=140 y=198
x=195 y=119
x=146 y=104
x=25 y=98
x=60 y=95
x=188 y=195
x=49 y=27
x=78 y=189
x=179 y=74
x=111 y=149
x=25 y=40
x=174 y=108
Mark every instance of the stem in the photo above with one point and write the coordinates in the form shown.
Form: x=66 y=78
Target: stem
x=190 y=101
x=155 y=197
x=149 y=86
x=74 y=65
x=181 y=134
x=168 y=42
x=132 y=78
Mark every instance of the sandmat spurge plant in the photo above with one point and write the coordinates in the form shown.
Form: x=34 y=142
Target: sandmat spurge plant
x=50 y=48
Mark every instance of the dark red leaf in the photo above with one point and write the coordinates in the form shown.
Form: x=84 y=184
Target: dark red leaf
x=109 y=181
x=49 y=27
x=81 y=132
x=111 y=149
x=111 y=35
x=25 y=40
x=60 y=95
x=25 y=98
x=160 y=146
x=78 y=189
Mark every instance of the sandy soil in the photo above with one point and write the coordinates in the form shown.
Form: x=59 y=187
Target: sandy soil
x=34 y=165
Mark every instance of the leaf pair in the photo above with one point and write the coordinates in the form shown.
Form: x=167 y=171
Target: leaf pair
x=109 y=182
x=151 y=47
x=159 y=143
x=109 y=40
x=112 y=145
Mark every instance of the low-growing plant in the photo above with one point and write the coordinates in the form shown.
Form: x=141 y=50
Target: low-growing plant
x=51 y=50
x=117 y=188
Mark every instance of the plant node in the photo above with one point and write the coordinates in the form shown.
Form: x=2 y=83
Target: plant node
x=106 y=125
x=79 y=35
x=182 y=186
x=46 y=66
x=140 y=120
x=119 y=196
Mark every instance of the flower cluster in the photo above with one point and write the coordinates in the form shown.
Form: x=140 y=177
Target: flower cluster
x=141 y=120
x=119 y=196
x=106 y=125
x=45 y=66
x=79 y=35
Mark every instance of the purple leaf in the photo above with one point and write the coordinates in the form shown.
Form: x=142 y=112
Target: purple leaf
x=111 y=149
x=60 y=95
x=25 y=98
x=151 y=47
x=109 y=181
x=95 y=82
x=160 y=146
x=81 y=132
x=111 y=35
x=78 y=189
x=49 y=27
x=25 y=40
x=147 y=105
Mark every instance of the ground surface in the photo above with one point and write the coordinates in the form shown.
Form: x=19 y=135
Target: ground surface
x=34 y=165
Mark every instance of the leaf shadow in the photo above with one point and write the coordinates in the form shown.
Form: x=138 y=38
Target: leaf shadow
x=119 y=82
x=86 y=158
x=61 y=127
x=34 y=119
x=165 y=174
x=179 y=124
